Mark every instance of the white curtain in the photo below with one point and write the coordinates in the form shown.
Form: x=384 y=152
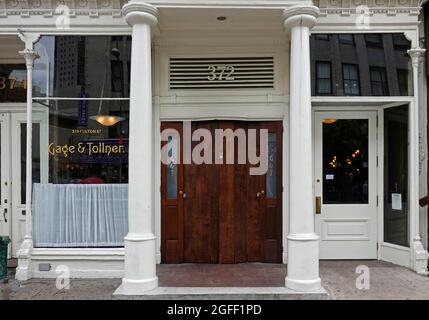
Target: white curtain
x=80 y=215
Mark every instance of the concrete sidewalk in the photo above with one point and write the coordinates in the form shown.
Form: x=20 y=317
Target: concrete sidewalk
x=387 y=281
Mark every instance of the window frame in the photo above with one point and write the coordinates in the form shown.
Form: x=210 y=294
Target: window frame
x=319 y=78
x=343 y=65
x=346 y=41
x=384 y=82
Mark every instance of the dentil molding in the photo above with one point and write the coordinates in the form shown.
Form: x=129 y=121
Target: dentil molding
x=389 y=7
x=96 y=8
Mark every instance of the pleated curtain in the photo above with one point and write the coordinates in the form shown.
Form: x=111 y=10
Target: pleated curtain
x=80 y=215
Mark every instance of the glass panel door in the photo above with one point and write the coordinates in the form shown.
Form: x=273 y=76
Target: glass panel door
x=346 y=184
x=396 y=219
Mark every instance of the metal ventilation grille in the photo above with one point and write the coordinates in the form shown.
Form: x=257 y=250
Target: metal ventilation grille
x=222 y=73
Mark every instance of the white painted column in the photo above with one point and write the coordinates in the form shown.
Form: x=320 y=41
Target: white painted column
x=140 y=261
x=23 y=271
x=419 y=256
x=303 y=243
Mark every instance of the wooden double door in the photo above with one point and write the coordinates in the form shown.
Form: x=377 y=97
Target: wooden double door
x=217 y=211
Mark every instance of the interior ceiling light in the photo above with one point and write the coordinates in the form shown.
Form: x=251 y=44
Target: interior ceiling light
x=329 y=121
x=106 y=120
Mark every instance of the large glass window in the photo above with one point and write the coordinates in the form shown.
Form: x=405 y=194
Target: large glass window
x=81 y=83
x=362 y=64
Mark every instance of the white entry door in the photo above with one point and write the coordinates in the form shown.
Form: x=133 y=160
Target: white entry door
x=5 y=178
x=13 y=130
x=346 y=184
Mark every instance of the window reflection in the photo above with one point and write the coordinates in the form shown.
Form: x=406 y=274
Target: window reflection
x=13 y=83
x=82 y=66
x=361 y=64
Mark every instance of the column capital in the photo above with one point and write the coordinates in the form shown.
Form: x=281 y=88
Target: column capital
x=416 y=55
x=139 y=12
x=300 y=15
x=29 y=56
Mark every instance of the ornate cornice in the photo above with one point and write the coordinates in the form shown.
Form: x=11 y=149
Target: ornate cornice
x=389 y=7
x=94 y=8
x=71 y=8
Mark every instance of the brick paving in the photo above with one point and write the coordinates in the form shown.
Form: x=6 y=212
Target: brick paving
x=387 y=281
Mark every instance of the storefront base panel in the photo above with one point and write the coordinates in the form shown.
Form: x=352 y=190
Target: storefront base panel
x=77 y=263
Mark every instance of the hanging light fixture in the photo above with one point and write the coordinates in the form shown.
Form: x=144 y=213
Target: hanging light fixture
x=105 y=119
x=329 y=121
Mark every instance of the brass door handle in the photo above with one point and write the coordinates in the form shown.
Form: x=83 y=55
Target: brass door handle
x=183 y=194
x=318 y=205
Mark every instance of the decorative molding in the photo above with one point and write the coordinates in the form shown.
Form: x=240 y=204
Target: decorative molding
x=96 y=8
x=92 y=8
x=349 y=7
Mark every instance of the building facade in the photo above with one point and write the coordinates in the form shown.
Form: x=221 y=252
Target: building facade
x=141 y=112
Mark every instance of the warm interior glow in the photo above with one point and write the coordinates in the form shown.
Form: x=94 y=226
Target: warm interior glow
x=106 y=120
x=329 y=121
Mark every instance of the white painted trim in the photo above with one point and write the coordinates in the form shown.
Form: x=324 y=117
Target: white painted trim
x=78 y=253
x=394 y=254
x=82 y=262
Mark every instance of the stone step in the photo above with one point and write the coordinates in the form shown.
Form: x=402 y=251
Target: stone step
x=226 y=293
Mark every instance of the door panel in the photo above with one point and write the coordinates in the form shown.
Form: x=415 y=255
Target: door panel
x=201 y=208
x=227 y=217
x=271 y=198
x=172 y=196
x=346 y=181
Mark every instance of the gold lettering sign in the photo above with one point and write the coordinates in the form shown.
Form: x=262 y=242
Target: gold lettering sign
x=88 y=148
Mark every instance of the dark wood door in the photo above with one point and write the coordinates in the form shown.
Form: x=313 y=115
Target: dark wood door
x=220 y=212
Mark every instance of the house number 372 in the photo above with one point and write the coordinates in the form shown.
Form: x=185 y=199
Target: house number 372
x=226 y=73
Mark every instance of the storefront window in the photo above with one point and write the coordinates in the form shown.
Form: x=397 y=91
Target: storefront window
x=363 y=64
x=81 y=85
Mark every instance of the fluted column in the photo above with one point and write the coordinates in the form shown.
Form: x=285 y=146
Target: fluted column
x=140 y=262
x=419 y=255
x=303 y=243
